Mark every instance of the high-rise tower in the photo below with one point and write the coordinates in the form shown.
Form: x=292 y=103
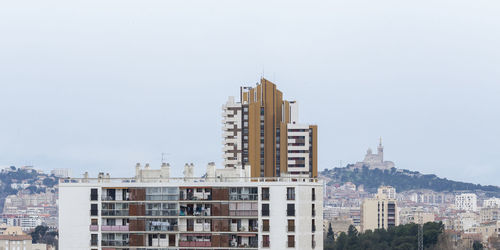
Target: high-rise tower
x=262 y=132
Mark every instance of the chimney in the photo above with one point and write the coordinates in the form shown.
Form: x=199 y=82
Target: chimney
x=211 y=171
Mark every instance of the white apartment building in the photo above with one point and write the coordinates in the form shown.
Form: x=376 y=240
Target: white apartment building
x=467 y=202
x=492 y=202
x=233 y=140
x=224 y=210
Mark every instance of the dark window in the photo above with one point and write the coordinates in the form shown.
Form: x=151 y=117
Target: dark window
x=93 y=240
x=93 y=194
x=290 y=210
x=313 y=194
x=265 y=209
x=265 y=225
x=93 y=210
x=265 y=241
x=265 y=194
x=291 y=226
x=313 y=226
x=290 y=194
x=291 y=241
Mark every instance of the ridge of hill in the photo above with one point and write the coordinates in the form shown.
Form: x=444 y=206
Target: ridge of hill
x=402 y=180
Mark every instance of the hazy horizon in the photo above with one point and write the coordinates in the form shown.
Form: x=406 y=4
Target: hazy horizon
x=100 y=85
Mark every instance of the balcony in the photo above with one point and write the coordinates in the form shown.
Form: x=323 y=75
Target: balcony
x=195 y=244
x=114 y=212
x=115 y=228
x=114 y=243
x=94 y=228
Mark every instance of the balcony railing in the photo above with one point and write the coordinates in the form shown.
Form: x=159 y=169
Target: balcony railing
x=243 y=212
x=115 y=228
x=94 y=228
x=114 y=212
x=162 y=228
x=187 y=179
x=195 y=244
x=114 y=243
x=290 y=228
x=290 y=243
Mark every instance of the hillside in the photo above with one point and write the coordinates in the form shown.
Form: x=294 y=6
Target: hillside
x=26 y=179
x=402 y=180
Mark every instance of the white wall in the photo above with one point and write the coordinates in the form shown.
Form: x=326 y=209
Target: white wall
x=74 y=217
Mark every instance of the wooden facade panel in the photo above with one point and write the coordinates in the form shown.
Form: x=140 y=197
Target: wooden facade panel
x=137 y=240
x=137 y=225
x=137 y=209
x=137 y=194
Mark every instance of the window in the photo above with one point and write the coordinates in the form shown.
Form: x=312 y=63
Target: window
x=265 y=209
x=93 y=222
x=313 y=228
x=265 y=225
x=291 y=226
x=265 y=194
x=265 y=241
x=313 y=210
x=313 y=194
x=93 y=210
x=290 y=194
x=291 y=241
x=93 y=194
x=290 y=210
x=93 y=240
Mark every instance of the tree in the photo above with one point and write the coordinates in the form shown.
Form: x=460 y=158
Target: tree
x=399 y=237
x=330 y=236
x=477 y=245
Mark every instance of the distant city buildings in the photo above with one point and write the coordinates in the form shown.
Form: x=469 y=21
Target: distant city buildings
x=492 y=202
x=262 y=132
x=61 y=172
x=467 y=202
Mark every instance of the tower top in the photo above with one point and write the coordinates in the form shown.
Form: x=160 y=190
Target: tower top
x=380 y=142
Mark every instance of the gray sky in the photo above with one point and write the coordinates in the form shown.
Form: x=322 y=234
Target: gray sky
x=99 y=85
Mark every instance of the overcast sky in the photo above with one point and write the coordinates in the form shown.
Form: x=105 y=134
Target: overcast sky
x=98 y=85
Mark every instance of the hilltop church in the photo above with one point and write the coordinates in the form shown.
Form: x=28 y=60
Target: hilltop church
x=373 y=161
